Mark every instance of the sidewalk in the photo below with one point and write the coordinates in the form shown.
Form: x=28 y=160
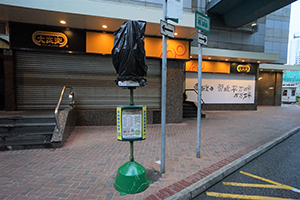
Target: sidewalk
x=85 y=168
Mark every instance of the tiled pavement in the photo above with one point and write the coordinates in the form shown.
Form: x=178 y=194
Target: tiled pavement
x=86 y=166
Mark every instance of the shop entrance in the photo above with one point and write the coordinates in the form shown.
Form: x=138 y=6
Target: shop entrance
x=269 y=89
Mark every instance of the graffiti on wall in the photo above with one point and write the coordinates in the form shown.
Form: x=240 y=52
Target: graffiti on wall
x=238 y=91
x=222 y=88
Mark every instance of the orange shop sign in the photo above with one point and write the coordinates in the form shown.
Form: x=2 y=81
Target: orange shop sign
x=208 y=66
x=102 y=43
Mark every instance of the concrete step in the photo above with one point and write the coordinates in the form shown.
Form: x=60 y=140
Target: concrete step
x=26 y=129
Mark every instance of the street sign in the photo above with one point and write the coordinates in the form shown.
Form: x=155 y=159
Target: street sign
x=174 y=20
x=167 y=29
x=175 y=9
x=202 y=39
x=202 y=22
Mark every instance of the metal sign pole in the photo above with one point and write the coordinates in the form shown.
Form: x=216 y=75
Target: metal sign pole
x=199 y=99
x=163 y=91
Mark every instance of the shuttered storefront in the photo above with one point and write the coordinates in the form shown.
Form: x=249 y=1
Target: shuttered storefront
x=41 y=76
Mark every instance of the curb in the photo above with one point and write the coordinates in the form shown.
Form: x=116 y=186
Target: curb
x=200 y=186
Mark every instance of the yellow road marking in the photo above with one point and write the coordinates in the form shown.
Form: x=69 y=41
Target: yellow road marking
x=264 y=179
x=258 y=185
x=238 y=196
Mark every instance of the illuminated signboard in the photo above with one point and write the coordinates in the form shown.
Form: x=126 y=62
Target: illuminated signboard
x=208 y=66
x=103 y=43
x=50 y=38
x=45 y=38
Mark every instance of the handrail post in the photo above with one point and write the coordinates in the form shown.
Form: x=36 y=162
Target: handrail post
x=72 y=104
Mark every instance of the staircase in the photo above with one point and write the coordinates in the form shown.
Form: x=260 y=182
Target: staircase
x=190 y=110
x=26 y=129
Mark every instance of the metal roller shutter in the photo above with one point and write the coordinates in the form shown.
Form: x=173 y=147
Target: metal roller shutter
x=41 y=75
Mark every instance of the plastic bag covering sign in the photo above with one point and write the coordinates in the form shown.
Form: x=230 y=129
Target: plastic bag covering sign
x=222 y=88
x=128 y=53
x=131 y=123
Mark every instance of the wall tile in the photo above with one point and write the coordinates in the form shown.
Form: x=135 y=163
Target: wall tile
x=285 y=25
x=261 y=29
x=247 y=39
x=259 y=40
x=259 y=49
x=248 y=48
x=277 y=24
x=269 y=32
x=224 y=36
x=283 y=46
x=236 y=38
x=268 y=45
x=270 y=23
x=213 y=36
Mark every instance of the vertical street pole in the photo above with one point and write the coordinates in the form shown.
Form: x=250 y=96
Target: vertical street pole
x=131 y=95
x=199 y=99
x=131 y=142
x=163 y=91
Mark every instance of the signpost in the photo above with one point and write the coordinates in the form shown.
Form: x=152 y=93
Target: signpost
x=163 y=92
x=202 y=22
x=202 y=39
x=167 y=29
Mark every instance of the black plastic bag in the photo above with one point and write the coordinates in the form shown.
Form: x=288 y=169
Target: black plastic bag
x=128 y=53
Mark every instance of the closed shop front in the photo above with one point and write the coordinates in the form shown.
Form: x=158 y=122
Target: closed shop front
x=41 y=76
x=47 y=58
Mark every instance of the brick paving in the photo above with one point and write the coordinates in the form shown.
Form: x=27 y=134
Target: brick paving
x=85 y=168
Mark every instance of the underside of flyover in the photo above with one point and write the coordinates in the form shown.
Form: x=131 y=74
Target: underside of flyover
x=237 y=13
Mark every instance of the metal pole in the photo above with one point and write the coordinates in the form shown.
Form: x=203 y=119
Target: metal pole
x=163 y=91
x=199 y=99
x=131 y=151
x=131 y=96
x=131 y=142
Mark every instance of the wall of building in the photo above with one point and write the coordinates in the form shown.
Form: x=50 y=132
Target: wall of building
x=277 y=33
x=269 y=88
x=294 y=54
x=175 y=79
x=9 y=80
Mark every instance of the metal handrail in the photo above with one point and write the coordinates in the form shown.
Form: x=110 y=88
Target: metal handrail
x=196 y=91
x=72 y=104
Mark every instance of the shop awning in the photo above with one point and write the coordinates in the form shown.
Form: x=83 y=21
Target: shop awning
x=234 y=56
x=276 y=67
x=92 y=15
